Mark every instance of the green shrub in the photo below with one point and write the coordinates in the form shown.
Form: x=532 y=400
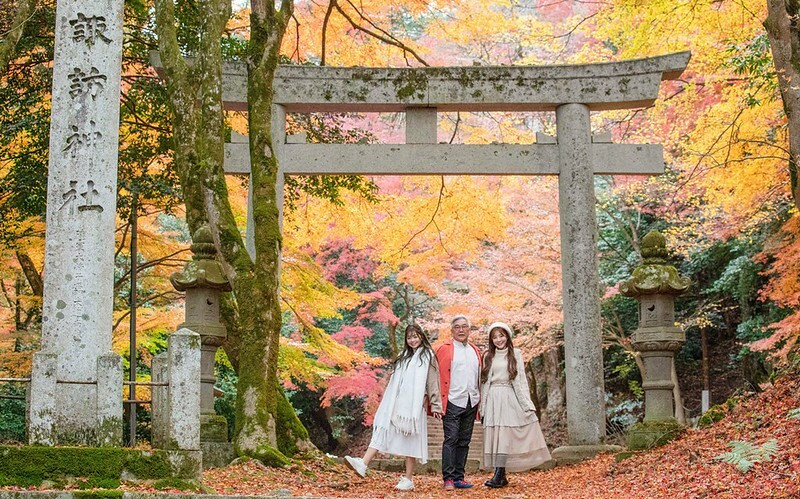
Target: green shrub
x=713 y=414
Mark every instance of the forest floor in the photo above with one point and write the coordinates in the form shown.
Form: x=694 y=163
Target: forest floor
x=687 y=467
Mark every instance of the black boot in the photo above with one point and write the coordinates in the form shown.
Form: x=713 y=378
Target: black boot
x=503 y=478
x=498 y=480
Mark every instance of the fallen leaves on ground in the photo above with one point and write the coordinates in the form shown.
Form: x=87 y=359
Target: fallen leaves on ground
x=685 y=468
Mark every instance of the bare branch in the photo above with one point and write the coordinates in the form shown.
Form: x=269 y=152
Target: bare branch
x=143 y=300
x=432 y=221
x=389 y=40
x=327 y=18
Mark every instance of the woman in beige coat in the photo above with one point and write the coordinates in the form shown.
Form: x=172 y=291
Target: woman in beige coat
x=512 y=438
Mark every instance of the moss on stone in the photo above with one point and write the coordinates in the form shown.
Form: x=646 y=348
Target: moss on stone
x=411 y=84
x=651 y=434
x=98 y=483
x=177 y=483
x=86 y=494
x=27 y=466
x=213 y=428
x=109 y=433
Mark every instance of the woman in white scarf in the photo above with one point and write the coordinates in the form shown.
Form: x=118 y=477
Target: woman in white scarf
x=400 y=426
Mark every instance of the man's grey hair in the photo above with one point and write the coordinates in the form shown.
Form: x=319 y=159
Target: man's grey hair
x=457 y=318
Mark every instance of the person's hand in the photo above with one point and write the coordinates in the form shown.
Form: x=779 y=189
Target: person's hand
x=437 y=415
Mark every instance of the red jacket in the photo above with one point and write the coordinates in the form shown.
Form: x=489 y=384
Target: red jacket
x=444 y=356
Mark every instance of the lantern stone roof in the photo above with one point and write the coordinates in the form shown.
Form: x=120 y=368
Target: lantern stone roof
x=654 y=275
x=203 y=271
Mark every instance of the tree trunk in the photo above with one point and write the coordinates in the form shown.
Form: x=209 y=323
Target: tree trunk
x=783 y=28
x=680 y=414
x=534 y=393
x=31 y=274
x=554 y=382
x=704 y=348
x=17 y=304
x=258 y=412
x=266 y=425
x=393 y=339
x=8 y=44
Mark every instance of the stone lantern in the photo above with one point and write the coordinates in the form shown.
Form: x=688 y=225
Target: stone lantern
x=203 y=280
x=655 y=284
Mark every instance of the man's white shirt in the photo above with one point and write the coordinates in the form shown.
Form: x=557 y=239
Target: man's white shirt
x=464 y=376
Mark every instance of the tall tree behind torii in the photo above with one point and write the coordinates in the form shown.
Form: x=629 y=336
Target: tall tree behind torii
x=783 y=29
x=195 y=92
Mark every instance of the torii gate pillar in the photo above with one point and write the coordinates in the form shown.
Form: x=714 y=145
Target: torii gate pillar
x=583 y=351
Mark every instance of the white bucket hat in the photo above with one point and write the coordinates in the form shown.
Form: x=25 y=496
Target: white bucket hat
x=501 y=325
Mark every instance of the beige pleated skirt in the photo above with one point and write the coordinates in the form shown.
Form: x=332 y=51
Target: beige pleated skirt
x=512 y=438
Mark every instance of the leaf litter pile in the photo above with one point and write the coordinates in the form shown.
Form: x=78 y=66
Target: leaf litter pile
x=691 y=466
x=752 y=452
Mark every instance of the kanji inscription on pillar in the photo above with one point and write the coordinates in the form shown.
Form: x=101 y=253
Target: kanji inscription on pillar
x=81 y=206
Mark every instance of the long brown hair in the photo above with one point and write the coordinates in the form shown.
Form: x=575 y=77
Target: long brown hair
x=408 y=352
x=489 y=356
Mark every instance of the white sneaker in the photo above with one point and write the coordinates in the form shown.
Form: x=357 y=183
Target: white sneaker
x=404 y=484
x=357 y=465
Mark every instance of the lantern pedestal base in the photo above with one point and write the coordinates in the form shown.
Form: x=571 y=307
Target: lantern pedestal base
x=651 y=434
x=572 y=454
x=213 y=428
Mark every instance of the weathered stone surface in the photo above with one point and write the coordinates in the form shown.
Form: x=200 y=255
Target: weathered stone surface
x=573 y=454
x=203 y=271
x=421 y=125
x=583 y=351
x=213 y=428
x=651 y=434
x=203 y=280
x=217 y=454
x=612 y=85
x=160 y=400
x=109 y=403
x=462 y=159
x=654 y=276
x=42 y=399
x=655 y=284
x=183 y=416
x=81 y=206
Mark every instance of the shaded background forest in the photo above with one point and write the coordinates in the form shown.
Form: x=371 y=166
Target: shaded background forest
x=364 y=256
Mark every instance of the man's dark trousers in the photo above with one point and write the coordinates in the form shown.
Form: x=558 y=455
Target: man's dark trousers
x=458 y=423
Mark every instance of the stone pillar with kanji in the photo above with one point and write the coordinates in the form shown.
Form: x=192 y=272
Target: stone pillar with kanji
x=203 y=280
x=655 y=284
x=76 y=378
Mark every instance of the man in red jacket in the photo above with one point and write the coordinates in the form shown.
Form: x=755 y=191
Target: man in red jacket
x=459 y=371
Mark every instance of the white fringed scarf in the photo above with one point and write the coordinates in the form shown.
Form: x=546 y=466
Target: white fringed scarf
x=401 y=407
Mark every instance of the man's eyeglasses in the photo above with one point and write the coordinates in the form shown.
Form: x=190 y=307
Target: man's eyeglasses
x=460 y=328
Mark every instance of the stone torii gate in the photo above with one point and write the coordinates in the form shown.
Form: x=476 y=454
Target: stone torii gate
x=572 y=91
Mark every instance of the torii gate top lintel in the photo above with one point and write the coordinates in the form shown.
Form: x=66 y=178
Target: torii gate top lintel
x=601 y=86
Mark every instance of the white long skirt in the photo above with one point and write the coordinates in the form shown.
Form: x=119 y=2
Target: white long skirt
x=390 y=441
